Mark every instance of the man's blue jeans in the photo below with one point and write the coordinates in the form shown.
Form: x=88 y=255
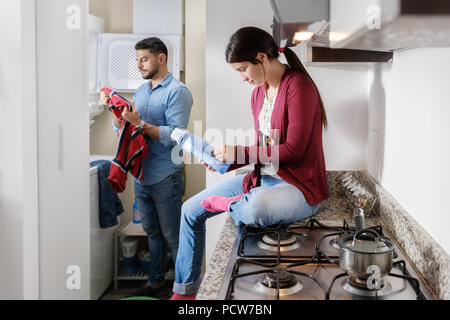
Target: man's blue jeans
x=275 y=201
x=160 y=208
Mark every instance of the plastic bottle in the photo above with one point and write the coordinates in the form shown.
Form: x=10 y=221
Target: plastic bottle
x=130 y=259
x=199 y=148
x=136 y=213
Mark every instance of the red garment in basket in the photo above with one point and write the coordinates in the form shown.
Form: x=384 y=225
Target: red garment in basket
x=131 y=150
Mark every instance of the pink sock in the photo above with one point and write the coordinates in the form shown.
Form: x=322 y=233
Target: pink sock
x=177 y=296
x=218 y=203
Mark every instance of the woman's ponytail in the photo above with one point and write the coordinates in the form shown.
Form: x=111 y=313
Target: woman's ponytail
x=295 y=63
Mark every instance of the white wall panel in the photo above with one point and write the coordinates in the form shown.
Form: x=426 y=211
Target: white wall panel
x=414 y=113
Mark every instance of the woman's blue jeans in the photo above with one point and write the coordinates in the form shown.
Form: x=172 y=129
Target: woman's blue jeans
x=275 y=201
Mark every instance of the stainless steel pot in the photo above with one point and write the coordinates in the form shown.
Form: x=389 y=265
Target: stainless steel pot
x=361 y=253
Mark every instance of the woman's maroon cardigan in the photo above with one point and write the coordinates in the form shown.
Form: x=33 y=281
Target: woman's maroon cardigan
x=297 y=116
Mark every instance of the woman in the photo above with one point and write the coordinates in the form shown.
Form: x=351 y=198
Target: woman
x=289 y=179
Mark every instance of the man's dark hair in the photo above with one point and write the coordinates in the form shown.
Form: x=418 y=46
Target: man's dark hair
x=153 y=44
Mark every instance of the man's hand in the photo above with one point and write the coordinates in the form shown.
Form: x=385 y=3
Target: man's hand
x=117 y=121
x=225 y=153
x=133 y=116
x=104 y=98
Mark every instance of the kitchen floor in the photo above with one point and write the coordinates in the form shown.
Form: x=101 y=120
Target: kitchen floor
x=124 y=289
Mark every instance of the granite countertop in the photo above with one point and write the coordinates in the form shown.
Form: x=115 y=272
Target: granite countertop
x=332 y=212
x=428 y=259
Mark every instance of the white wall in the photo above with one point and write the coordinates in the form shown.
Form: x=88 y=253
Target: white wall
x=195 y=79
x=343 y=89
x=344 y=93
x=414 y=110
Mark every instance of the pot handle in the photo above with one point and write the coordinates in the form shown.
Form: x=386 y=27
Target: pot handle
x=359 y=219
x=366 y=230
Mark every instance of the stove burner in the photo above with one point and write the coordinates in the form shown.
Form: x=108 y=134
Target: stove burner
x=358 y=287
x=334 y=244
x=286 y=238
x=288 y=284
x=286 y=279
x=288 y=241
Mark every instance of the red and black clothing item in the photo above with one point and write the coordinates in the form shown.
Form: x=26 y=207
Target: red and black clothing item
x=131 y=149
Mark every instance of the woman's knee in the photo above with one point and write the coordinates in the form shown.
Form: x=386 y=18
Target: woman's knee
x=191 y=211
x=258 y=211
x=186 y=210
x=269 y=207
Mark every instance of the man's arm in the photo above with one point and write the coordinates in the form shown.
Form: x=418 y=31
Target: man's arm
x=151 y=130
x=177 y=114
x=134 y=118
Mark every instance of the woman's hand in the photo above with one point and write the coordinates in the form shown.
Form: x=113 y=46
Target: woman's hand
x=206 y=166
x=225 y=153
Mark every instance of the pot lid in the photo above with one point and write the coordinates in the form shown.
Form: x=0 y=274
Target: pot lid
x=366 y=241
x=367 y=245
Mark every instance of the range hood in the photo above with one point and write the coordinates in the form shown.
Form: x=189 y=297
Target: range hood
x=307 y=22
x=394 y=25
x=295 y=21
x=373 y=25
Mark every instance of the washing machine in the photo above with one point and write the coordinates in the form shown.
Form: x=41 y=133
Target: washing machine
x=101 y=239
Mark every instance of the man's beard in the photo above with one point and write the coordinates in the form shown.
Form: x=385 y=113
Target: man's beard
x=151 y=74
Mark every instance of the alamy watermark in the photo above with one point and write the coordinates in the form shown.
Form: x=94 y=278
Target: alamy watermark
x=373 y=20
x=239 y=137
x=73 y=281
x=73 y=21
x=374 y=280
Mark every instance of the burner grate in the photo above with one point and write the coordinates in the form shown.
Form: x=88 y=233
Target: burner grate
x=275 y=280
x=281 y=240
x=355 y=287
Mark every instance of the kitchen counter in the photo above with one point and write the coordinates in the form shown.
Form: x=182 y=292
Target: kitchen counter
x=428 y=259
x=332 y=212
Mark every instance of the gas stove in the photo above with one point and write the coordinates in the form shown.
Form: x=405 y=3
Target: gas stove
x=301 y=262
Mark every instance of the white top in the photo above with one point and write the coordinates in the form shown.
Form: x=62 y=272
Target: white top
x=264 y=119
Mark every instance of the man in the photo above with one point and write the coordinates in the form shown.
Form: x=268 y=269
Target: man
x=159 y=106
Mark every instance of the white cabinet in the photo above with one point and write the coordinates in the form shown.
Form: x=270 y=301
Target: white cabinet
x=156 y=16
x=63 y=148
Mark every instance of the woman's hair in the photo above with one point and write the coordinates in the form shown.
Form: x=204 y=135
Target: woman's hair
x=245 y=44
